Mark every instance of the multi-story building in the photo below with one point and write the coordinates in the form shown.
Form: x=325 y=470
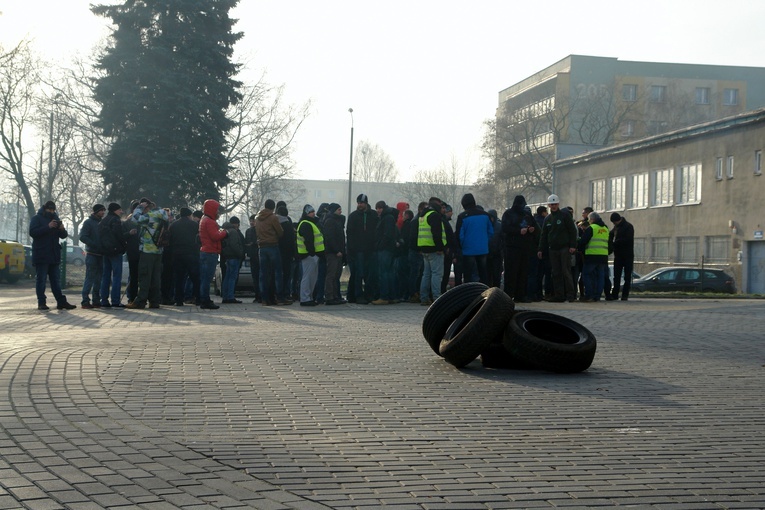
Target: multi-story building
x=582 y=102
x=694 y=195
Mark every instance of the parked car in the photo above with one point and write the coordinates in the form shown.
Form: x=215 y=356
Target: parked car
x=75 y=256
x=685 y=279
x=29 y=267
x=244 y=283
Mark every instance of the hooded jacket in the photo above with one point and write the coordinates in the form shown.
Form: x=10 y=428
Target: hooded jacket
x=112 y=235
x=514 y=220
x=474 y=229
x=90 y=236
x=401 y=207
x=362 y=226
x=387 y=233
x=210 y=234
x=268 y=228
x=334 y=234
x=45 y=240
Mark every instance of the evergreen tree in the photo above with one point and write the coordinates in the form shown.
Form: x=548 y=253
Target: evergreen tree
x=166 y=82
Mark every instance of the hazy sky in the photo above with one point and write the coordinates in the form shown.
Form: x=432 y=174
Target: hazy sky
x=422 y=76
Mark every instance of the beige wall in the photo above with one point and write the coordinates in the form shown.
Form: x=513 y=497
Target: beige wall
x=738 y=199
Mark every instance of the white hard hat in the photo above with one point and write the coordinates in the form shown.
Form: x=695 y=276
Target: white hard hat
x=553 y=199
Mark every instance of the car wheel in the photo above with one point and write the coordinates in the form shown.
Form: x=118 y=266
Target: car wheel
x=12 y=278
x=445 y=309
x=550 y=342
x=482 y=322
x=78 y=263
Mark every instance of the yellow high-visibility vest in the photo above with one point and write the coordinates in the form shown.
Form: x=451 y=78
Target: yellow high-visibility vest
x=598 y=245
x=425 y=234
x=318 y=239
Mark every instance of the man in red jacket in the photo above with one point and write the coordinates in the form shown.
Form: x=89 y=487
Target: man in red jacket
x=210 y=235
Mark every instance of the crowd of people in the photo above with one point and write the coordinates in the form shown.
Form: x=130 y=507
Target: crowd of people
x=394 y=254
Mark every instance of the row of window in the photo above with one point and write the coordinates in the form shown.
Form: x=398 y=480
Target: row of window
x=658 y=94
x=662 y=187
x=687 y=250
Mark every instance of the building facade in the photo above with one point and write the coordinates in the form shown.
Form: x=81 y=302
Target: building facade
x=583 y=102
x=694 y=195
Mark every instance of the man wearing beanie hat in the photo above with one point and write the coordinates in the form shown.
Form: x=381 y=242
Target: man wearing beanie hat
x=473 y=231
x=231 y=256
x=114 y=244
x=269 y=231
x=360 y=233
x=185 y=255
x=90 y=236
x=334 y=248
x=431 y=242
x=622 y=241
x=46 y=229
x=310 y=246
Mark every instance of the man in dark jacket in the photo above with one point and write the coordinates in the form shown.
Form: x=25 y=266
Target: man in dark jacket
x=622 y=243
x=362 y=226
x=93 y=259
x=233 y=252
x=185 y=253
x=114 y=244
x=251 y=249
x=559 y=237
x=521 y=236
x=133 y=251
x=334 y=249
x=46 y=229
x=287 y=253
x=386 y=242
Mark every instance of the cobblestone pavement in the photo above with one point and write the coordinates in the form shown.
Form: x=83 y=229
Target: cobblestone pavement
x=348 y=407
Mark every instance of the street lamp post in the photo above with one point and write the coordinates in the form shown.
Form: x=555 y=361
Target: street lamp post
x=350 y=167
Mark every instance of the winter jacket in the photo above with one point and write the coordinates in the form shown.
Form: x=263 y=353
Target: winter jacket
x=334 y=234
x=183 y=236
x=623 y=240
x=232 y=247
x=474 y=230
x=435 y=225
x=306 y=232
x=150 y=223
x=516 y=219
x=113 y=240
x=559 y=231
x=45 y=240
x=361 y=231
x=287 y=247
x=251 y=243
x=387 y=233
x=90 y=236
x=401 y=207
x=210 y=234
x=268 y=228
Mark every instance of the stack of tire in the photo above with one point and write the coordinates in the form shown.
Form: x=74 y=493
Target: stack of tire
x=473 y=320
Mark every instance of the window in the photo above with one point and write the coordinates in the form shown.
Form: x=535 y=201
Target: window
x=628 y=128
x=730 y=96
x=660 y=249
x=656 y=127
x=688 y=250
x=717 y=249
x=629 y=92
x=757 y=162
x=719 y=169
x=617 y=193
x=662 y=187
x=702 y=95
x=598 y=195
x=639 y=248
x=332 y=193
x=690 y=184
x=729 y=168
x=658 y=93
x=639 y=190
x=317 y=193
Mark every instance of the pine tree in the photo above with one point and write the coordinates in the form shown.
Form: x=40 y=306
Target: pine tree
x=166 y=82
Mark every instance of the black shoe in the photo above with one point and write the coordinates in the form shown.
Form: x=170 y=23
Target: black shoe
x=66 y=306
x=105 y=305
x=43 y=307
x=284 y=302
x=308 y=303
x=209 y=306
x=230 y=301
x=118 y=305
x=361 y=301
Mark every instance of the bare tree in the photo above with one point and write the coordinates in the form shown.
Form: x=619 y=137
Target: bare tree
x=372 y=164
x=261 y=145
x=19 y=82
x=449 y=181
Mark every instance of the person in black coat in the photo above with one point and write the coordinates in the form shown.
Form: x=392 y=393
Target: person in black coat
x=185 y=253
x=46 y=229
x=334 y=249
x=622 y=243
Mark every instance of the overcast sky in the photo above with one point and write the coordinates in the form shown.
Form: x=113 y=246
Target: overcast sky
x=422 y=76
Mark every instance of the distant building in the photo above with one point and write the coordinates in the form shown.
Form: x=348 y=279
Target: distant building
x=694 y=195
x=583 y=102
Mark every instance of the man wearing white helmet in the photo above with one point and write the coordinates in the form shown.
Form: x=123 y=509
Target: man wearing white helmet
x=559 y=236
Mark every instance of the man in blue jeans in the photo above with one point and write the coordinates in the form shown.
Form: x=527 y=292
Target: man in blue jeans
x=46 y=229
x=268 y=230
x=94 y=263
x=232 y=254
x=431 y=242
x=210 y=235
x=114 y=245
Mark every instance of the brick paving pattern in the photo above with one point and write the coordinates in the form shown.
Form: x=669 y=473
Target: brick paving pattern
x=348 y=407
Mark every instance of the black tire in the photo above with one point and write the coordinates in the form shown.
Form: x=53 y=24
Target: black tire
x=445 y=309
x=550 y=342
x=496 y=356
x=12 y=278
x=476 y=327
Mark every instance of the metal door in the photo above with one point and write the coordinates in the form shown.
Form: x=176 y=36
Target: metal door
x=756 y=267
